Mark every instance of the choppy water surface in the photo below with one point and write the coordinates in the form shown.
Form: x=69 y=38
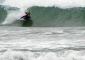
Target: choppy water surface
x=35 y=43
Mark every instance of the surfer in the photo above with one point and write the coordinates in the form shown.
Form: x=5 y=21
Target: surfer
x=27 y=16
x=27 y=20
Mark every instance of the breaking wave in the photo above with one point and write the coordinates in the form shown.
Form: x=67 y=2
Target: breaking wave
x=49 y=16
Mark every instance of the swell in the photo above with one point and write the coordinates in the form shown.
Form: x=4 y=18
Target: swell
x=54 y=16
x=50 y=17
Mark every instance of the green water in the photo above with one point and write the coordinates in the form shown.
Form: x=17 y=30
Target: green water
x=51 y=17
x=3 y=14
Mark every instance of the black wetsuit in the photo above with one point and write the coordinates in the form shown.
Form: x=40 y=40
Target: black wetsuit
x=26 y=17
x=27 y=20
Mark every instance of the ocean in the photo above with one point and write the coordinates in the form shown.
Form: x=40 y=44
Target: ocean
x=42 y=43
x=50 y=16
x=56 y=30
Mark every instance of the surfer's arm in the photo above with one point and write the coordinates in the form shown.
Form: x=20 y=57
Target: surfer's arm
x=22 y=16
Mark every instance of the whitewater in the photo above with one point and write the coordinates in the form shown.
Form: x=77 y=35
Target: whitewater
x=58 y=36
x=35 y=43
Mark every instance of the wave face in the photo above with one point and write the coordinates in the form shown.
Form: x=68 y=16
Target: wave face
x=69 y=12
x=53 y=16
x=50 y=16
x=3 y=13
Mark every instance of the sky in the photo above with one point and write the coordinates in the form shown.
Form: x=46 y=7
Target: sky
x=46 y=3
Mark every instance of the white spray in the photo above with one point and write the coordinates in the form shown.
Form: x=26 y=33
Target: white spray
x=15 y=14
x=24 y=4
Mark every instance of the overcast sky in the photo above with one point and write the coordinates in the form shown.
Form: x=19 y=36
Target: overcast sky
x=58 y=3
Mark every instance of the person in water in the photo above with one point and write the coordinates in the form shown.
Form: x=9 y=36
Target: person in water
x=27 y=22
x=27 y=16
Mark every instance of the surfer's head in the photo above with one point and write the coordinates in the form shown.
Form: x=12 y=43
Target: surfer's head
x=28 y=13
